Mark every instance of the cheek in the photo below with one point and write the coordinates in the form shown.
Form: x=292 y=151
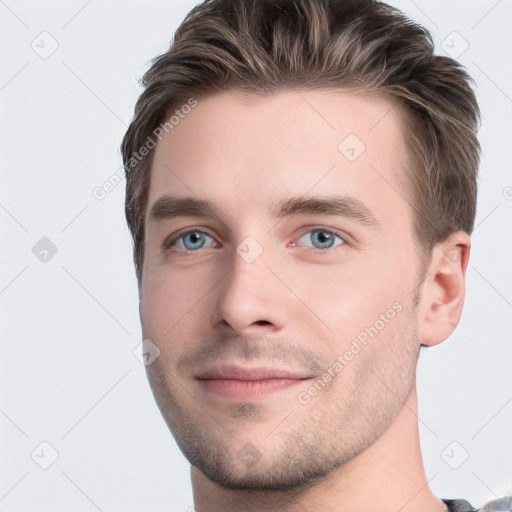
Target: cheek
x=350 y=296
x=171 y=299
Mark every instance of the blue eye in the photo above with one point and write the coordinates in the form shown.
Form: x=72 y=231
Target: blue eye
x=196 y=239
x=190 y=241
x=322 y=239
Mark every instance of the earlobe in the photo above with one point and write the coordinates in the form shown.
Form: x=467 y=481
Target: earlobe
x=443 y=290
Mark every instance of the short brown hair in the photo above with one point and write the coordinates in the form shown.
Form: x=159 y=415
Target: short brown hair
x=264 y=46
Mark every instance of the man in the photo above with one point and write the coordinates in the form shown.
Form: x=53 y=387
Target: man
x=301 y=190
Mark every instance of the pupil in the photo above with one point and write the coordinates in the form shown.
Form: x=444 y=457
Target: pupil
x=324 y=237
x=194 y=239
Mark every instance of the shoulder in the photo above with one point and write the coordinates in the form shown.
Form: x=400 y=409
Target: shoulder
x=503 y=504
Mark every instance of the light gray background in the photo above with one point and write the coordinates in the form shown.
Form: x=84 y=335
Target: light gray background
x=69 y=325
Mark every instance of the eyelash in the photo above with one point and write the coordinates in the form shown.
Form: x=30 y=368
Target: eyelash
x=169 y=243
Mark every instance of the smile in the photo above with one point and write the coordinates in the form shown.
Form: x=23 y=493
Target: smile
x=244 y=383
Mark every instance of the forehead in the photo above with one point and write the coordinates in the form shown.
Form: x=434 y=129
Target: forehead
x=251 y=151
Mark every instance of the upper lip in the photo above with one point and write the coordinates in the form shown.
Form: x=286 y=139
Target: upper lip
x=230 y=372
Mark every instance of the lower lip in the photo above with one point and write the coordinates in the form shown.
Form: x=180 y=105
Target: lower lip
x=243 y=389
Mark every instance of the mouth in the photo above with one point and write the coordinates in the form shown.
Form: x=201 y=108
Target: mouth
x=248 y=383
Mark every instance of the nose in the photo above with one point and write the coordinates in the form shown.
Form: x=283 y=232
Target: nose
x=250 y=298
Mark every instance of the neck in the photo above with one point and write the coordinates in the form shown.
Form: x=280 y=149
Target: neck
x=387 y=476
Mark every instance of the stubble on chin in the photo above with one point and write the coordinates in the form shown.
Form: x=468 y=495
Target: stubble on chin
x=299 y=451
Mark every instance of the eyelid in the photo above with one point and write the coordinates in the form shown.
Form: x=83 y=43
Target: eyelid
x=168 y=242
x=172 y=239
x=347 y=239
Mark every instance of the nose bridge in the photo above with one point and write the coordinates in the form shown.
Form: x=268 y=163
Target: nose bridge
x=246 y=277
x=250 y=293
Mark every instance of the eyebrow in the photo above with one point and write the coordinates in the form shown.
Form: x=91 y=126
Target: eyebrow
x=168 y=207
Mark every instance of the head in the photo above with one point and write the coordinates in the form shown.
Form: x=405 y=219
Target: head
x=323 y=162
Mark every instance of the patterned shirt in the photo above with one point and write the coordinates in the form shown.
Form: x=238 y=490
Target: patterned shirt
x=503 y=504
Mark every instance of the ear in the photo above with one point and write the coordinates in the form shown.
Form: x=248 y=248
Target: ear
x=443 y=289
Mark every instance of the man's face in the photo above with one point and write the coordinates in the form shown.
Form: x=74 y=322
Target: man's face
x=287 y=334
